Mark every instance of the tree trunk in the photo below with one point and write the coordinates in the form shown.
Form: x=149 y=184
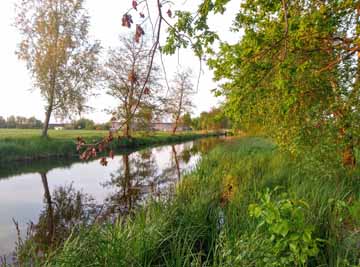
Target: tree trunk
x=127 y=194
x=126 y=130
x=46 y=122
x=177 y=165
x=50 y=211
x=49 y=108
x=174 y=128
x=176 y=123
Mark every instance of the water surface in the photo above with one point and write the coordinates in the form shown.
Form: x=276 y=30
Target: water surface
x=47 y=198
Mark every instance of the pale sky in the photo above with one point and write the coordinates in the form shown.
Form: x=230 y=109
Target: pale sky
x=17 y=98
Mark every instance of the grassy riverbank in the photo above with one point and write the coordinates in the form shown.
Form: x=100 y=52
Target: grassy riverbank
x=246 y=204
x=27 y=145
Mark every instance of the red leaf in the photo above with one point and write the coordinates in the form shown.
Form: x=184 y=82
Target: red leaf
x=169 y=13
x=134 y=4
x=142 y=15
x=101 y=147
x=93 y=152
x=103 y=161
x=146 y=91
x=126 y=20
x=139 y=32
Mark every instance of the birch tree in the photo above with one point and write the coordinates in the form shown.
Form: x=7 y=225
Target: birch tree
x=58 y=53
x=179 y=101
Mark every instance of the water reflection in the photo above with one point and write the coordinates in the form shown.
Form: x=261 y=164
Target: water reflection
x=139 y=179
x=133 y=180
x=64 y=209
x=82 y=193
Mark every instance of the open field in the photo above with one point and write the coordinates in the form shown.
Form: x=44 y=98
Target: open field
x=246 y=204
x=25 y=145
x=35 y=133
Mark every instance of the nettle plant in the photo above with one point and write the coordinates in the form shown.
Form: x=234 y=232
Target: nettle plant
x=282 y=222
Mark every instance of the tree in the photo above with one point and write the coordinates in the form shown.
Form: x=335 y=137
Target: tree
x=11 y=122
x=125 y=73
x=21 y=122
x=186 y=119
x=58 y=53
x=293 y=74
x=32 y=122
x=144 y=117
x=217 y=119
x=84 y=123
x=195 y=123
x=2 y=122
x=179 y=100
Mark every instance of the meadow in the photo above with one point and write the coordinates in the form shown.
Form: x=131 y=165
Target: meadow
x=245 y=204
x=9 y=134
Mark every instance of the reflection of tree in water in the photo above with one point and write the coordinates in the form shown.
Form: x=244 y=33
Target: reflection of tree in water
x=186 y=152
x=64 y=209
x=182 y=154
x=132 y=182
x=139 y=178
x=203 y=146
x=176 y=162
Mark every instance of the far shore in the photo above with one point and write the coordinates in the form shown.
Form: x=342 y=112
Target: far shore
x=27 y=145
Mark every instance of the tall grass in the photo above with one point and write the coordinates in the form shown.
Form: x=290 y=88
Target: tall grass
x=207 y=222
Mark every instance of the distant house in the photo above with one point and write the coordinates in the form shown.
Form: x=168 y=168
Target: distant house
x=154 y=126
x=168 y=127
x=162 y=126
x=57 y=126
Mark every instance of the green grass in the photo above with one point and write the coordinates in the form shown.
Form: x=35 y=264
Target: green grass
x=27 y=145
x=208 y=223
x=10 y=134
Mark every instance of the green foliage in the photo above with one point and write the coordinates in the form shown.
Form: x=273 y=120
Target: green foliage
x=275 y=82
x=198 y=41
x=283 y=222
x=193 y=29
x=186 y=119
x=215 y=119
x=293 y=74
x=84 y=123
x=20 y=122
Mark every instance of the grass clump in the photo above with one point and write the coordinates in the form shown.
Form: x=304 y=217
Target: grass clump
x=246 y=204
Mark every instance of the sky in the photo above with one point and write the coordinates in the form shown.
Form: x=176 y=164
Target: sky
x=19 y=98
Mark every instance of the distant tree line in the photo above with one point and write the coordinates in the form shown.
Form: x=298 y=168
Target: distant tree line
x=215 y=119
x=20 y=122
x=88 y=124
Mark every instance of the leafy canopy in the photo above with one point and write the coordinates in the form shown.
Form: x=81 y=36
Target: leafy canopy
x=293 y=74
